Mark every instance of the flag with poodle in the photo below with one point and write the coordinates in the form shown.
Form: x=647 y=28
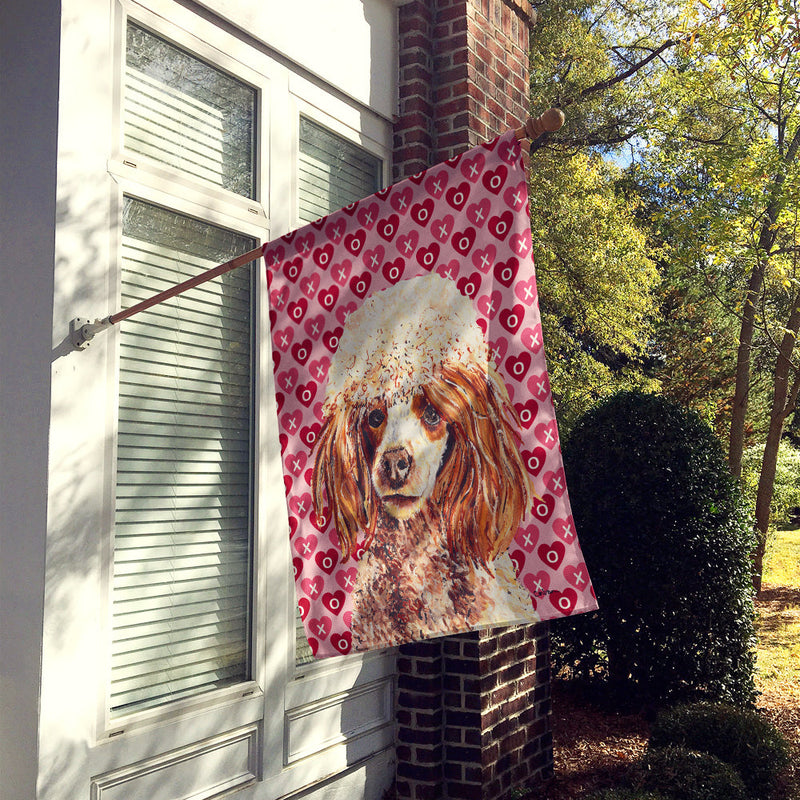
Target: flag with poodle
x=424 y=483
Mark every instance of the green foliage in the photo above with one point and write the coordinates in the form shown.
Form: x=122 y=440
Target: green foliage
x=683 y=774
x=667 y=541
x=741 y=738
x=595 y=279
x=597 y=276
x=786 y=490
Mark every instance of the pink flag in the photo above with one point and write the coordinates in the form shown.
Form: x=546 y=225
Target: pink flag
x=423 y=474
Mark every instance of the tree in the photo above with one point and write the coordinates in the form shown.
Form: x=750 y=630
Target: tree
x=726 y=148
x=597 y=278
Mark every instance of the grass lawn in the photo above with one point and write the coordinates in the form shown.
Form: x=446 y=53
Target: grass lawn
x=778 y=629
x=778 y=624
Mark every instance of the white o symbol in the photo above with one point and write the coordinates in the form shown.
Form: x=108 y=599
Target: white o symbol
x=312 y=437
x=342 y=645
x=302 y=354
x=361 y=287
x=502 y=227
x=327 y=563
x=525 y=417
x=513 y=321
x=507 y=274
x=563 y=603
x=323 y=259
x=327 y=300
x=552 y=557
x=293 y=270
x=541 y=511
x=427 y=259
x=518 y=369
x=306 y=396
x=495 y=181
x=423 y=213
x=388 y=229
x=470 y=289
x=394 y=272
x=463 y=243
x=297 y=312
x=458 y=198
x=533 y=461
x=334 y=342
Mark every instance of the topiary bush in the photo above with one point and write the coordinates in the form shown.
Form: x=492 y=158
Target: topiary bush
x=741 y=738
x=682 y=774
x=667 y=540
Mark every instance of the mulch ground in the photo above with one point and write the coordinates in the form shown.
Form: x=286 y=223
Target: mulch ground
x=593 y=747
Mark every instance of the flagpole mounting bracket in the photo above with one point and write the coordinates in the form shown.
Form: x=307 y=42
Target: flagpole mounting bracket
x=82 y=330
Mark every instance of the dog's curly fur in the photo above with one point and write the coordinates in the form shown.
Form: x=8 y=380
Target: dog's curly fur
x=418 y=454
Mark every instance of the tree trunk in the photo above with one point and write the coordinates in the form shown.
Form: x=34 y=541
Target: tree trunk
x=742 y=388
x=784 y=398
x=766 y=240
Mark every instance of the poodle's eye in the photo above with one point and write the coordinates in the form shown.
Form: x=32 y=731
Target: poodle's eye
x=430 y=416
x=376 y=418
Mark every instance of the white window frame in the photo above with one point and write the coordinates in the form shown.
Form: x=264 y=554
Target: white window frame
x=282 y=697
x=137 y=177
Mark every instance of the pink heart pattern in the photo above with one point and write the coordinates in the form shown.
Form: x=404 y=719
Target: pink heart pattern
x=467 y=220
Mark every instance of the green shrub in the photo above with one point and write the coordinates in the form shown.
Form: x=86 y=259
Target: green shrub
x=667 y=540
x=683 y=774
x=743 y=739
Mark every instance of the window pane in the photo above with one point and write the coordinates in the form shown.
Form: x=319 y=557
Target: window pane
x=182 y=112
x=183 y=540
x=332 y=173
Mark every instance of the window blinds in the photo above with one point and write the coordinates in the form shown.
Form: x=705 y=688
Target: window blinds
x=332 y=172
x=188 y=115
x=182 y=542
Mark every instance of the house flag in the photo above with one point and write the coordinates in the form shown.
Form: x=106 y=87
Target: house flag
x=423 y=475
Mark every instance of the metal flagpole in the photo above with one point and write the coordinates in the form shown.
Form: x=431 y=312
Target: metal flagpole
x=82 y=330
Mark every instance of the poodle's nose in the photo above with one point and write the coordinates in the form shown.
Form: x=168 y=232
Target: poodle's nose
x=396 y=466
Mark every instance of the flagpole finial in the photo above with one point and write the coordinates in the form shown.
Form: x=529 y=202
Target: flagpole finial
x=534 y=127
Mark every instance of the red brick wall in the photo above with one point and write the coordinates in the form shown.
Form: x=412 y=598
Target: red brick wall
x=473 y=714
x=463 y=76
x=472 y=710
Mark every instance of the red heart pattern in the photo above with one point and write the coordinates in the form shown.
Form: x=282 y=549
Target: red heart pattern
x=465 y=219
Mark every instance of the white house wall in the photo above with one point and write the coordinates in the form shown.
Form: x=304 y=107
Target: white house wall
x=29 y=60
x=59 y=252
x=332 y=39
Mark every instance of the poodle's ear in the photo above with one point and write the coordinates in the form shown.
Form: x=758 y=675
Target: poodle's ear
x=483 y=490
x=341 y=479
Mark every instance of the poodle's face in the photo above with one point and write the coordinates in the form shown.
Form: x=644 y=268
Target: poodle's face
x=417 y=419
x=405 y=444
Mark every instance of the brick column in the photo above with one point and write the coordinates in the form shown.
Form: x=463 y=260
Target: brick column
x=473 y=711
x=463 y=77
